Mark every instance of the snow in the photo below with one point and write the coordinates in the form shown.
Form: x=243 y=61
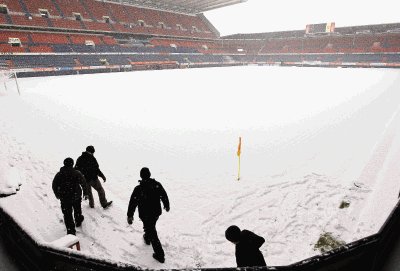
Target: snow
x=10 y=178
x=311 y=138
x=66 y=241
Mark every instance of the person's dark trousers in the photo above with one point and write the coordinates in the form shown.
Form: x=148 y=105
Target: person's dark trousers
x=150 y=233
x=96 y=184
x=68 y=208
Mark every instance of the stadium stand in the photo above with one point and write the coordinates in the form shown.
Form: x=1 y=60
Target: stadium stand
x=72 y=8
x=90 y=32
x=391 y=42
x=97 y=10
x=40 y=49
x=34 y=7
x=25 y=20
x=66 y=24
x=98 y=26
x=49 y=38
x=13 y=6
x=6 y=35
x=315 y=45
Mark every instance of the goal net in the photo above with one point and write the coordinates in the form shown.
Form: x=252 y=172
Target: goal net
x=8 y=81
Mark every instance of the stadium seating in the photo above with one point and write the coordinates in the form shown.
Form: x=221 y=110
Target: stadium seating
x=364 y=43
x=98 y=26
x=5 y=19
x=5 y=35
x=62 y=48
x=116 y=34
x=13 y=5
x=93 y=15
x=315 y=44
x=342 y=43
x=7 y=48
x=109 y=40
x=70 y=7
x=34 y=6
x=81 y=39
x=66 y=24
x=119 y=12
x=29 y=21
x=392 y=42
x=40 y=49
x=49 y=38
x=97 y=9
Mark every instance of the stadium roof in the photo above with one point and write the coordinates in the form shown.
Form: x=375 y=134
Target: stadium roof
x=181 y=6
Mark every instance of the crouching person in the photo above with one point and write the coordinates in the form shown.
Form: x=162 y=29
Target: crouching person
x=67 y=186
x=248 y=245
x=147 y=196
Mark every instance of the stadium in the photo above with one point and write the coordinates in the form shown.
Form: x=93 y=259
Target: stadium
x=154 y=83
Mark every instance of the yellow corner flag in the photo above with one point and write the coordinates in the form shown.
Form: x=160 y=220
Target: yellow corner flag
x=239 y=152
x=239 y=147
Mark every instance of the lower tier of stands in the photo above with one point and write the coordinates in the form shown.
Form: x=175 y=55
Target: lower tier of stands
x=89 y=62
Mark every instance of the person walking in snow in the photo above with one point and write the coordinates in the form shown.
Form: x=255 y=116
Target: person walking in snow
x=247 y=250
x=67 y=187
x=147 y=196
x=87 y=164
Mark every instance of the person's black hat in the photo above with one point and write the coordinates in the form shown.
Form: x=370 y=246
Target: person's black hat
x=233 y=233
x=145 y=173
x=90 y=149
x=68 y=162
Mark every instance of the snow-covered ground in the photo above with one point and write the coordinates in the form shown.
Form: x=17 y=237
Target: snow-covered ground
x=311 y=138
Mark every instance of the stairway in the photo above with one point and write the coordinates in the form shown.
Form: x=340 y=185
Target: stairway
x=83 y=3
x=23 y=5
x=58 y=8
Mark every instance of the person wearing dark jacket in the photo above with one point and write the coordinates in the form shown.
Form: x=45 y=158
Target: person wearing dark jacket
x=146 y=196
x=67 y=187
x=88 y=166
x=247 y=249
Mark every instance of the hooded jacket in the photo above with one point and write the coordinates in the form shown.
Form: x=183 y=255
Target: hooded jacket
x=68 y=184
x=146 y=196
x=248 y=250
x=88 y=166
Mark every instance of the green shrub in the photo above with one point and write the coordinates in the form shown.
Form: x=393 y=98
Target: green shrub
x=344 y=204
x=327 y=242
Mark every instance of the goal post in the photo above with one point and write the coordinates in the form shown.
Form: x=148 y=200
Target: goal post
x=7 y=78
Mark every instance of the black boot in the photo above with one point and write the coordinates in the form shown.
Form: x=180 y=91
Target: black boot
x=159 y=258
x=146 y=240
x=79 y=221
x=107 y=205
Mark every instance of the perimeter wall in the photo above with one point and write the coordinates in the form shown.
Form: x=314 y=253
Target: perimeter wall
x=367 y=254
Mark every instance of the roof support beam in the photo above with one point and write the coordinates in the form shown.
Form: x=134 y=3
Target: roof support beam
x=180 y=6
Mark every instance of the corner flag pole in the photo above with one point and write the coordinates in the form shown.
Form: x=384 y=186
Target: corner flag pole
x=239 y=151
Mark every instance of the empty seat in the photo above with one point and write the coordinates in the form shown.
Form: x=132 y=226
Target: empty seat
x=72 y=6
x=7 y=48
x=5 y=35
x=66 y=23
x=98 y=26
x=13 y=5
x=29 y=21
x=33 y=6
x=40 y=49
x=49 y=38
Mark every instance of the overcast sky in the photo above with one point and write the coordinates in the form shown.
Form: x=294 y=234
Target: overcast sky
x=256 y=16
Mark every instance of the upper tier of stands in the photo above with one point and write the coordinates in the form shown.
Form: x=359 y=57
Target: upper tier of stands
x=47 y=42
x=103 y=16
